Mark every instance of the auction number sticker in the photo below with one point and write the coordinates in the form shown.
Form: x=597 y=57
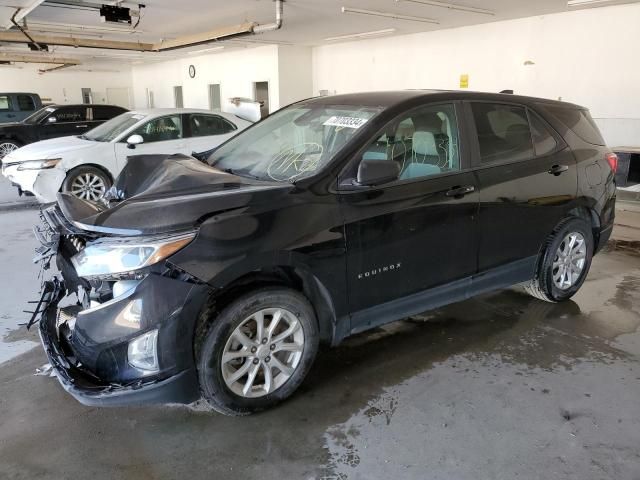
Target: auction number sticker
x=346 y=122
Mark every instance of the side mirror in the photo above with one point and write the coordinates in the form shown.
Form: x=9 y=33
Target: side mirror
x=377 y=172
x=134 y=140
x=52 y=119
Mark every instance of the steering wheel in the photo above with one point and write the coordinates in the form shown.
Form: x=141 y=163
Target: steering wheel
x=292 y=162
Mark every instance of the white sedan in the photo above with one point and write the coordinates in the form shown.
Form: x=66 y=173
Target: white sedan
x=86 y=165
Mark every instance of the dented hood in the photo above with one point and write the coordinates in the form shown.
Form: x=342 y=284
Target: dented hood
x=165 y=193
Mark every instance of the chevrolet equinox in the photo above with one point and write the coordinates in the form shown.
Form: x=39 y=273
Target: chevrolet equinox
x=218 y=277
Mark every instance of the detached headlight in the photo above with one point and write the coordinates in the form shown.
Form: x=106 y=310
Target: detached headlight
x=123 y=257
x=39 y=164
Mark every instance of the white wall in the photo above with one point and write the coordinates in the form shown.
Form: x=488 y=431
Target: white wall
x=63 y=86
x=590 y=57
x=235 y=71
x=295 y=74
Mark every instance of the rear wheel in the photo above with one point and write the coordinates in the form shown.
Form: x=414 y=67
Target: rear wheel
x=564 y=263
x=7 y=146
x=88 y=183
x=257 y=351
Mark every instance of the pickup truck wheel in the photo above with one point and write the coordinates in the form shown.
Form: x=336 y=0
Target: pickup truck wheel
x=88 y=183
x=257 y=351
x=565 y=262
x=7 y=146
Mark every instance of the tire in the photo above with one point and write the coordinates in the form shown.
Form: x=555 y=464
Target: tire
x=550 y=283
x=88 y=183
x=220 y=341
x=8 y=145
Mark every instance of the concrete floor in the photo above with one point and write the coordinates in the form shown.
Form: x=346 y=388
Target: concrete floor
x=502 y=386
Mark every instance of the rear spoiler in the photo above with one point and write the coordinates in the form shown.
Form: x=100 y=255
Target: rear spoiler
x=245 y=108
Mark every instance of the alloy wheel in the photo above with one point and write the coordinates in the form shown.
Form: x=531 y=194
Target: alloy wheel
x=6 y=148
x=88 y=186
x=263 y=352
x=569 y=260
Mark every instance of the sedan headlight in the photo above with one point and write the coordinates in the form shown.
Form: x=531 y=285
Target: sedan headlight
x=38 y=164
x=125 y=256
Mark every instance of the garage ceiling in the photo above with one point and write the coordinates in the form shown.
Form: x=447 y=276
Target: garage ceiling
x=306 y=22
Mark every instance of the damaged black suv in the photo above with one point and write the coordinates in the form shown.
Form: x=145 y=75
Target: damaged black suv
x=218 y=278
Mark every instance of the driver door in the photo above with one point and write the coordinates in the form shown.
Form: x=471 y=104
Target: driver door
x=409 y=236
x=162 y=135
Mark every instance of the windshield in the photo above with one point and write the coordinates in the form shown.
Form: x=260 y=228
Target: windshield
x=114 y=127
x=291 y=144
x=38 y=116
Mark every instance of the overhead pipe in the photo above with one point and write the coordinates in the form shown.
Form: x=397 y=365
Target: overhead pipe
x=277 y=25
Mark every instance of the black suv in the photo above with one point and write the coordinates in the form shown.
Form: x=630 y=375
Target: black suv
x=52 y=122
x=219 y=279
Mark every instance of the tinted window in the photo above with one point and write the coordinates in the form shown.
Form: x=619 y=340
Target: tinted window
x=25 y=103
x=5 y=103
x=424 y=142
x=106 y=113
x=503 y=132
x=543 y=140
x=161 y=129
x=579 y=121
x=70 y=114
x=203 y=125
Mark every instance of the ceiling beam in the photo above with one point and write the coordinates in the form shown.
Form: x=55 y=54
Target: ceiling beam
x=204 y=37
x=71 y=41
x=11 y=57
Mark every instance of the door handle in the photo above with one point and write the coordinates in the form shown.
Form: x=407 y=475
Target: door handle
x=558 y=170
x=81 y=126
x=459 y=192
x=10 y=115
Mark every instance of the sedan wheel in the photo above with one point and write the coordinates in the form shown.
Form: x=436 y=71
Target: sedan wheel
x=88 y=186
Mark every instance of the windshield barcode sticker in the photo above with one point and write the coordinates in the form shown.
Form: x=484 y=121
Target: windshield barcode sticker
x=347 y=122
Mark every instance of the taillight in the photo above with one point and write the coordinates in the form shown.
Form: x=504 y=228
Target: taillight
x=612 y=160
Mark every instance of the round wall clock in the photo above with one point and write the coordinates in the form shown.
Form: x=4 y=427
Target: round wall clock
x=192 y=71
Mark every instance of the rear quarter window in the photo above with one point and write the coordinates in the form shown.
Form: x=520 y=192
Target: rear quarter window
x=579 y=121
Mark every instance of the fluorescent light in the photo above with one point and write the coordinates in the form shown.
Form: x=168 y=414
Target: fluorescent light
x=396 y=16
x=596 y=3
x=451 y=6
x=375 y=33
x=206 y=50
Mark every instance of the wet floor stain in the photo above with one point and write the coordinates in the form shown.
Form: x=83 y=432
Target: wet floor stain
x=500 y=386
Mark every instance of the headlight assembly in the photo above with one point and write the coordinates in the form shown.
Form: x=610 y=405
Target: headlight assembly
x=125 y=256
x=39 y=164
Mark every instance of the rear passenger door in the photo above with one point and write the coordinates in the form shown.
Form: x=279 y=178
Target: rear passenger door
x=417 y=232
x=528 y=182
x=63 y=122
x=206 y=131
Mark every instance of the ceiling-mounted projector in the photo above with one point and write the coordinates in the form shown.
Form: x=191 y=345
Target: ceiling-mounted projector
x=113 y=14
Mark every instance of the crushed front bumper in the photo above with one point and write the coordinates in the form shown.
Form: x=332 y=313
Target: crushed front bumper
x=176 y=385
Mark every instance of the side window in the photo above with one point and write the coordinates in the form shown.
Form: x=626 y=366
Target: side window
x=203 y=125
x=161 y=129
x=543 y=140
x=105 y=113
x=26 y=103
x=424 y=142
x=69 y=114
x=5 y=102
x=503 y=132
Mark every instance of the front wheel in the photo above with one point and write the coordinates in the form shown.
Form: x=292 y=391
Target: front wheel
x=257 y=351
x=7 y=146
x=88 y=183
x=564 y=262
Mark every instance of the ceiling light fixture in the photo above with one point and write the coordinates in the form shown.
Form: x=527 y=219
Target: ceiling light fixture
x=451 y=6
x=596 y=3
x=375 y=33
x=206 y=50
x=395 y=16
